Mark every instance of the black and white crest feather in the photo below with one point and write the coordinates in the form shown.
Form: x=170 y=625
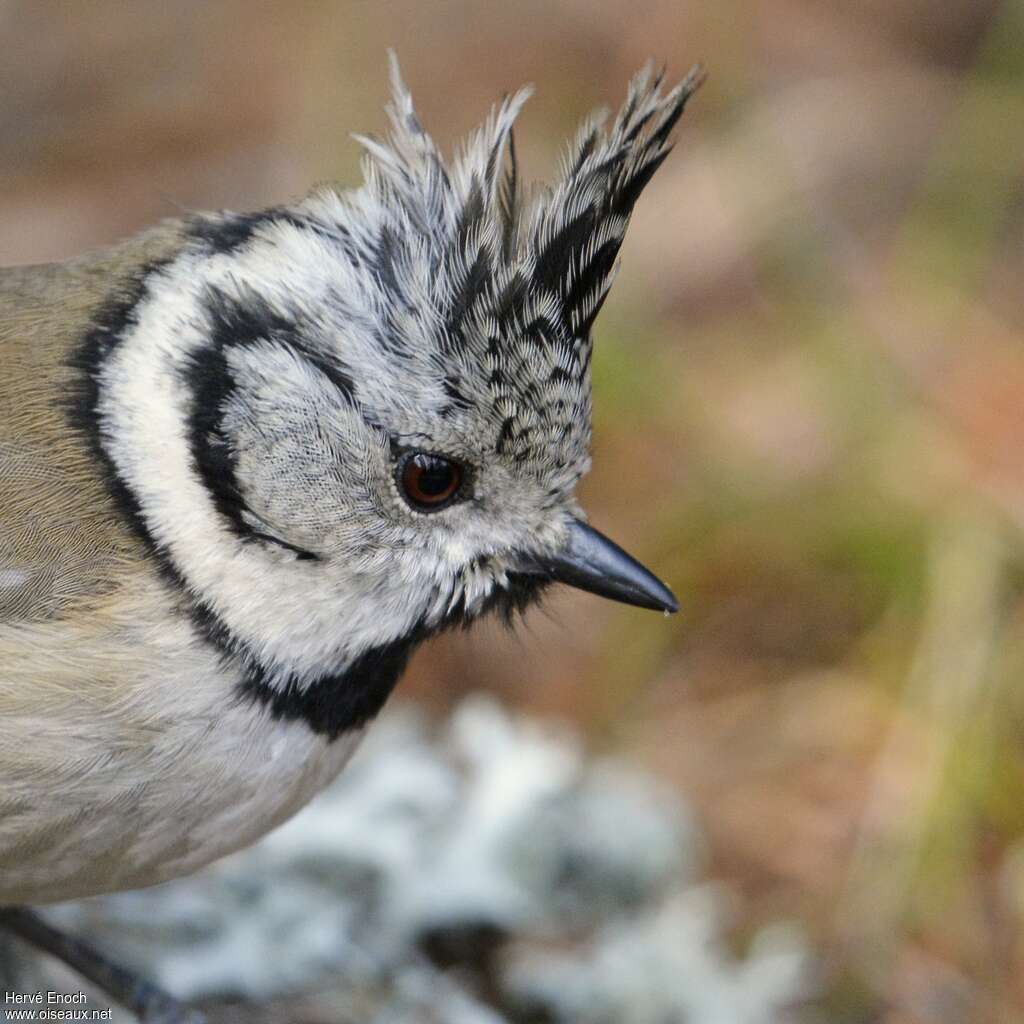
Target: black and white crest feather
x=560 y=244
x=512 y=279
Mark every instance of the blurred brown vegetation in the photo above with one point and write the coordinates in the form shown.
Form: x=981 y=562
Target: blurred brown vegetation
x=809 y=391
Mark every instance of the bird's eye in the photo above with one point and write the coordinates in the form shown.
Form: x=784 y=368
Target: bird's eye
x=429 y=482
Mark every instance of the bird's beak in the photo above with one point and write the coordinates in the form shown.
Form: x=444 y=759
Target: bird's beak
x=590 y=561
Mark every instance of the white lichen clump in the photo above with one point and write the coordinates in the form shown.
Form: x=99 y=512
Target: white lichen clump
x=486 y=873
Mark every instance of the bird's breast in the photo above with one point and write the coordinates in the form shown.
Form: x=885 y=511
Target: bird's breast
x=132 y=760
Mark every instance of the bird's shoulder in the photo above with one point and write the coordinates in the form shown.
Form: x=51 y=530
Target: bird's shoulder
x=63 y=538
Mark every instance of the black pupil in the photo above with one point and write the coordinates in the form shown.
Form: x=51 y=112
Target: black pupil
x=430 y=479
x=434 y=475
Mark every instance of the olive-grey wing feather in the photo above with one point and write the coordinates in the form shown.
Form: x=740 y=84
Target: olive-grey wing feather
x=62 y=538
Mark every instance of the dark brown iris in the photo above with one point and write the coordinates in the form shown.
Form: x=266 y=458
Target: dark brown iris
x=429 y=482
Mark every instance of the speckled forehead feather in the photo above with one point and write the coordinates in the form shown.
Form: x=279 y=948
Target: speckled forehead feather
x=511 y=279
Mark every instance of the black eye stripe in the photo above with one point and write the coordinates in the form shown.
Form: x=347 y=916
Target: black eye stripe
x=429 y=482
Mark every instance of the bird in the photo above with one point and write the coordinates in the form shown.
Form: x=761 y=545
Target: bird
x=250 y=462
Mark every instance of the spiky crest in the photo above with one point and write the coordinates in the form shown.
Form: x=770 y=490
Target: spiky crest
x=515 y=277
x=565 y=238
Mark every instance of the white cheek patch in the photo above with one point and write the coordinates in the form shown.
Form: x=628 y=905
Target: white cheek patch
x=303 y=618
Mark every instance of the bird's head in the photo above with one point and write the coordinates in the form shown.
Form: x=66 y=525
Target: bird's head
x=369 y=410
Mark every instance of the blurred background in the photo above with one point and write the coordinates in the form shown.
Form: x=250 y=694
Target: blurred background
x=809 y=392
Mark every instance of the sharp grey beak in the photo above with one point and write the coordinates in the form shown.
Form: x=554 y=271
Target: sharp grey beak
x=592 y=562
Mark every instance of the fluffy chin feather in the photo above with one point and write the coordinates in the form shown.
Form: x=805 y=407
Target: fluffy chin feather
x=507 y=602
